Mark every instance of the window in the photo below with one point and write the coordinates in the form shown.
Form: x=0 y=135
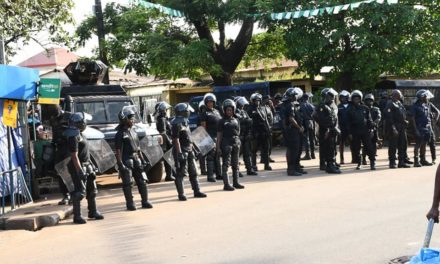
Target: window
x=95 y=109
x=113 y=109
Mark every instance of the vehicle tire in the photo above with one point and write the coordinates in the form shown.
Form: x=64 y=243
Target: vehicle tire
x=155 y=173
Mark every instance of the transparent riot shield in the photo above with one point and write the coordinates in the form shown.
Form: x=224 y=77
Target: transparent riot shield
x=62 y=169
x=202 y=140
x=102 y=154
x=152 y=150
x=169 y=158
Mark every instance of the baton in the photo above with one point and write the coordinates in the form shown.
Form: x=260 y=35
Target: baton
x=428 y=233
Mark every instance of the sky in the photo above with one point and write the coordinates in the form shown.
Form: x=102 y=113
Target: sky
x=83 y=9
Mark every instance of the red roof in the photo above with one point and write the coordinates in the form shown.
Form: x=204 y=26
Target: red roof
x=57 y=57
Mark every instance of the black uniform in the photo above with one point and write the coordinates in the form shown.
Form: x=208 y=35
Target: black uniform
x=269 y=112
x=361 y=129
x=396 y=125
x=344 y=126
x=84 y=183
x=230 y=147
x=307 y=110
x=376 y=117
x=423 y=130
x=245 y=138
x=127 y=141
x=327 y=119
x=260 y=133
x=435 y=112
x=292 y=136
x=163 y=125
x=211 y=118
x=185 y=162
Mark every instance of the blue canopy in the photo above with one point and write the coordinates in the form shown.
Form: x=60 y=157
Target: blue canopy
x=18 y=83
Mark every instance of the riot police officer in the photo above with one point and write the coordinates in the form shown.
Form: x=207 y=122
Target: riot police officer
x=396 y=125
x=376 y=117
x=183 y=151
x=245 y=134
x=163 y=125
x=435 y=115
x=202 y=158
x=327 y=118
x=228 y=145
x=209 y=120
x=307 y=110
x=82 y=172
x=260 y=131
x=343 y=123
x=422 y=127
x=131 y=163
x=267 y=106
x=360 y=128
x=292 y=130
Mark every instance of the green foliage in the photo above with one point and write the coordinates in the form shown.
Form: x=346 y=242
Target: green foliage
x=21 y=20
x=364 y=43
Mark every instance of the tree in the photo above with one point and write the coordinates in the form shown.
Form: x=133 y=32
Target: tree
x=364 y=43
x=22 y=20
x=153 y=44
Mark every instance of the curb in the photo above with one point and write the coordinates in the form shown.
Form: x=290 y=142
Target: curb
x=35 y=223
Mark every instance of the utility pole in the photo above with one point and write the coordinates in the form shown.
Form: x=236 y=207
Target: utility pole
x=2 y=51
x=101 y=38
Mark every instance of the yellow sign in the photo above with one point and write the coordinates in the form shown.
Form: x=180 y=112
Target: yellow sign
x=10 y=109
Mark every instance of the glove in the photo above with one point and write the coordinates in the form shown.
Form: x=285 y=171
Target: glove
x=144 y=164
x=81 y=175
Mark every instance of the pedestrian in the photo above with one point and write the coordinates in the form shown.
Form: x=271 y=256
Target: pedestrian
x=260 y=131
x=183 y=151
x=228 y=145
x=245 y=134
x=131 y=163
x=163 y=125
x=434 y=211
x=82 y=172
x=376 y=117
x=209 y=120
x=360 y=129
x=292 y=130
x=307 y=110
x=421 y=116
x=344 y=125
x=327 y=118
x=396 y=125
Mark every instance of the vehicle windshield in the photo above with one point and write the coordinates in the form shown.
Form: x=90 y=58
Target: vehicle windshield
x=103 y=113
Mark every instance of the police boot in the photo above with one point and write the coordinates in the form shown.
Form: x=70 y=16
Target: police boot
x=66 y=200
x=180 y=190
x=267 y=166
x=322 y=165
x=372 y=165
x=226 y=185
x=407 y=161
x=196 y=188
x=251 y=172
x=254 y=162
x=307 y=156
x=341 y=158
x=77 y=218
x=169 y=173
x=235 y=180
x=129 y=198
x=312 y=154
x=402 y=164
x=93 y=212
x=144 y=196
x=393 y=164
x=210 y=170
x=424 y=162
x=417 y=163
x=359 y=166
x=331 y=168
x=202 y=162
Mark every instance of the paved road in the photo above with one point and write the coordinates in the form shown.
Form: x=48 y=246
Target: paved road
x=355 y=217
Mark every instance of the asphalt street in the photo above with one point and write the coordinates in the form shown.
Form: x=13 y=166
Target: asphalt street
x=355 y=217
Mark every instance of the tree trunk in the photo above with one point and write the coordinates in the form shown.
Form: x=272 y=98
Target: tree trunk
x=225 y=79
x=345 y=82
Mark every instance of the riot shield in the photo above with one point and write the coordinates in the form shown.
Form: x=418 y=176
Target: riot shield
x=152 y=150
x=169 y=158
x=102 y=154
x=62 y=169
x=202 y=140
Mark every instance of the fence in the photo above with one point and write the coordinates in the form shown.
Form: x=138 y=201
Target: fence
x=13 y=185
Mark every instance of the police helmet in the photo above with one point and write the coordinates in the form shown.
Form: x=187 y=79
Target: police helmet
x=256 y=97
x=241 y=101
x=228 y=103
x=183 y=109
x=79 y=120
x=429 y=94
x=163 y=106
x=356 y=93
x=127 y=112
x=344 y=93
x=298 y=92
x=278 y=96
x=397 y=92
x=209 y=97
x=307 y=95
x=422 y=94
x=369 y=97
x=329 y=91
